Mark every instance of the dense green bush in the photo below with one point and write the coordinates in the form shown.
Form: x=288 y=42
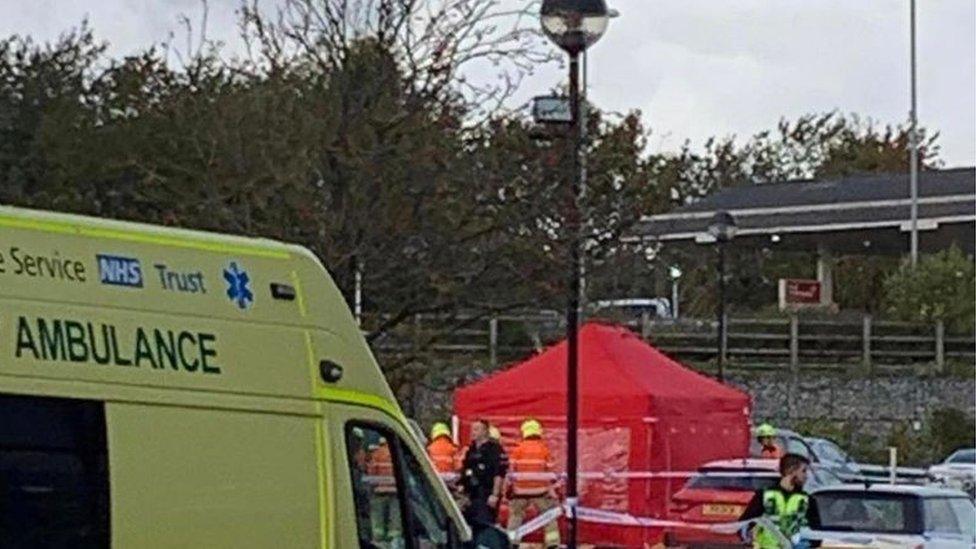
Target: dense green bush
x=914 y=448
x=838 y=431
x=949 y=430
x=944 y=430
x=941 y=287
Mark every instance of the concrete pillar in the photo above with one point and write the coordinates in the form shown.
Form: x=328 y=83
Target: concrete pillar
x=825 y=275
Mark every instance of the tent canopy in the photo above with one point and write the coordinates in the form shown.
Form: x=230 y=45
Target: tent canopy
x=620 y=376
x=639 y=411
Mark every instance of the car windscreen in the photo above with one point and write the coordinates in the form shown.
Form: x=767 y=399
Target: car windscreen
x=827 y=451
x=965 y=511
x=963 y=456
x=746 y=481
x=799 y=447
x=868 y=512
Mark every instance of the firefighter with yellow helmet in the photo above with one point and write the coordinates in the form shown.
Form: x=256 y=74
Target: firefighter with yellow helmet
x=766 y=435
x=532 y=457
x=442 y=450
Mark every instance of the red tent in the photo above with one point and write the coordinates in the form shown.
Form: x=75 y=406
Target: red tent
x=640 y=412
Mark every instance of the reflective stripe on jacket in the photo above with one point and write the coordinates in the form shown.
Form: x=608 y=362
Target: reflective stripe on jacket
x=380 y=467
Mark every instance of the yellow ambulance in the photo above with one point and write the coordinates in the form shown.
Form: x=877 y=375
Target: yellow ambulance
x=178 y=389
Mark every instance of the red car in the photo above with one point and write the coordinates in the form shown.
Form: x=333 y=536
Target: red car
x=718 y=493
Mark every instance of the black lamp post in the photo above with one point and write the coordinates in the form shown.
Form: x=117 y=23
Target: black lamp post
x=722 y=229
x=574 y=25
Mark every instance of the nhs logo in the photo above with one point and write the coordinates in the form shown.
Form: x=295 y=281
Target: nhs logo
x=119 y=271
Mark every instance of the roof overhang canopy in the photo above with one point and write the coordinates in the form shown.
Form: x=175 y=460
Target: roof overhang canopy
x=857 y=214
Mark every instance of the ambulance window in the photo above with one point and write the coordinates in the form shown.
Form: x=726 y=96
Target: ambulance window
x=53 y=473
x=428 y=521
x=379 y=523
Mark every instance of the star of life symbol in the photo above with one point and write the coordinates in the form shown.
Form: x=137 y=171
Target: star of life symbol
x=237 y=286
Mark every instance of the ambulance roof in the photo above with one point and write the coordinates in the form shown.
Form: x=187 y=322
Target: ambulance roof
x=158 y=300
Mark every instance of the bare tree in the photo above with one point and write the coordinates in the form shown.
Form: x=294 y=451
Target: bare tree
x=435 y=42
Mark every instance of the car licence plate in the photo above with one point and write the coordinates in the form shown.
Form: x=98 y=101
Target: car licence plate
x=715 y=509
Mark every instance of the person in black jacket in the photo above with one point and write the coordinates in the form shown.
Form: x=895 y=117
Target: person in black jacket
x=482 y=476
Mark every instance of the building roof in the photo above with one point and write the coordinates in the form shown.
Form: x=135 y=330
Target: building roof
x=863 y=213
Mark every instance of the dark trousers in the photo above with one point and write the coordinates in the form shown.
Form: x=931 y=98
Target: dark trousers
x=481 y=517
x=479 y=514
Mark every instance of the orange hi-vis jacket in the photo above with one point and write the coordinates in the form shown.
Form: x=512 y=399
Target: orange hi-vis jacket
x=443 y=454
x=380 y=466
x=774 y=452
x=530 y=456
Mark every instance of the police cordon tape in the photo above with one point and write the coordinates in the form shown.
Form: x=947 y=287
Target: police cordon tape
x=624 y=475
x=876 y=541
x=600 y=516
x=606 y=476
x=537 y=523
x=613 y=518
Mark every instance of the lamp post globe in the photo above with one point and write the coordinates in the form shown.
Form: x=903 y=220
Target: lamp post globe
x=574 y=25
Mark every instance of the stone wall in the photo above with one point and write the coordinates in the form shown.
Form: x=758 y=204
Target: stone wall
x=865 y=401
x=864 y=414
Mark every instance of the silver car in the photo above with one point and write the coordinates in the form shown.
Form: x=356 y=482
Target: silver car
x=831 y=455
x=884 y=515
x=957 y=471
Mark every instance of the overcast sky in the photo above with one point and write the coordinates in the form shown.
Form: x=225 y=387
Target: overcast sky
x=695 y=68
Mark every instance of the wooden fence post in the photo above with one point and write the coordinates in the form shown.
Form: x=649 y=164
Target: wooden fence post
x=725 y=339
x=493 y=341
x=892 y=465
x=794 y=342
x=939 y=347
x=794 y=378
x=866 y=344
x=645 y=325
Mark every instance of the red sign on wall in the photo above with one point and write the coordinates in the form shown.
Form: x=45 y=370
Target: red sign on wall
x=794 y=292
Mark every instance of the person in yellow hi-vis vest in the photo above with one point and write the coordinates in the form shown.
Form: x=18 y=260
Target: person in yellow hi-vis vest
x=786 y=505
x=531 y=455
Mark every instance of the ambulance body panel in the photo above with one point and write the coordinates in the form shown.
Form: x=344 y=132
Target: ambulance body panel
x=196 y=378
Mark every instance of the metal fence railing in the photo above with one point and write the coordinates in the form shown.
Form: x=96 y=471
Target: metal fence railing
x=781 y=342
x=796 y=342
